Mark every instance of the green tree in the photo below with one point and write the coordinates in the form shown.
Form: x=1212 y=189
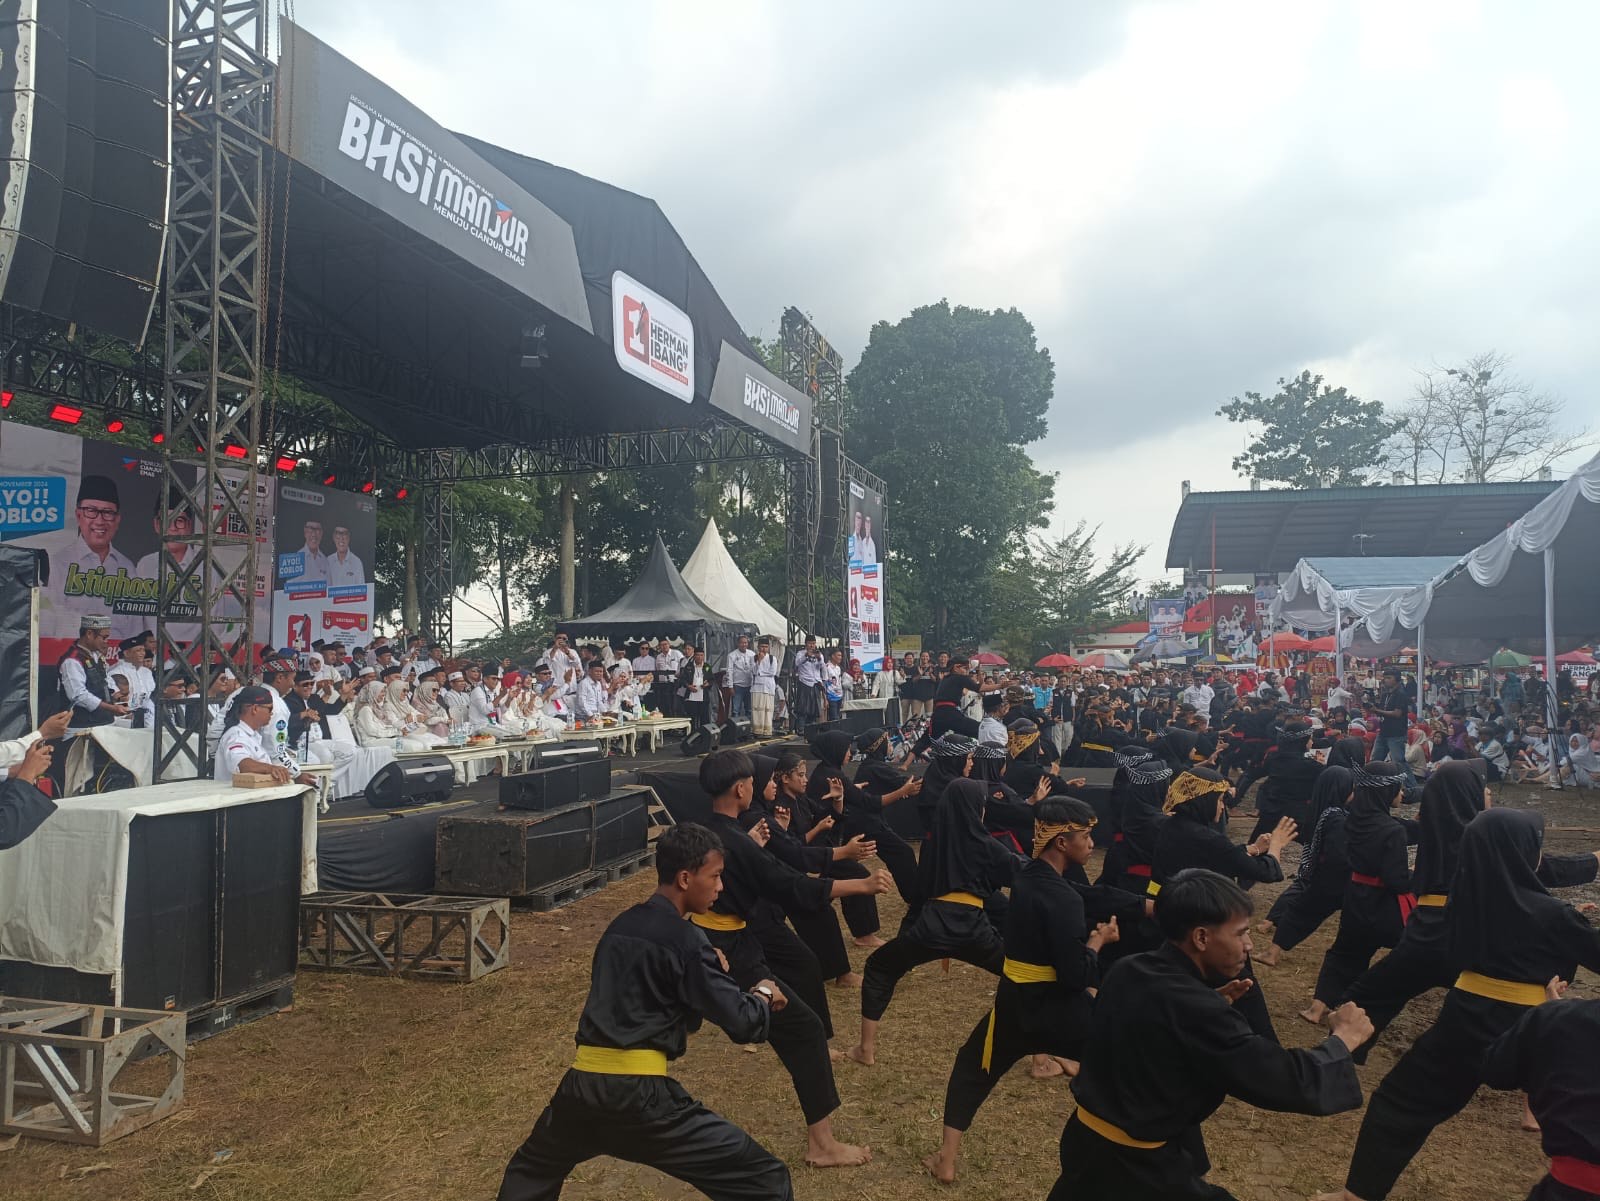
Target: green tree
x=1060 y=588
x=942 y=405
x=1311 y=434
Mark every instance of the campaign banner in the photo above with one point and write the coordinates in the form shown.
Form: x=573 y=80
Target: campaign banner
x=866 y=541
x=749 y=392
x=94 y=508
x=865 y=613
x=1166 y=616
x=322 y=585
x=652 y=338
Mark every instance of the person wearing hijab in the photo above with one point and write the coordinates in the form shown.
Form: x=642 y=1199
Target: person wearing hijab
x=951 y=756
x=818 y=797
x=1511 y=941
x=1290 y=777
x=1378 y=898
x=1168 y=1045
x=779 y=790
x=1348 y=753
x=862 y=812
x=1453 y=796
x=1317 y=892
x=1140 y=812
x=962 y=866
x=1550 y=1054
x=1007 y=816
x=1195 y=800
x=1045 y=995
x=1095 y=738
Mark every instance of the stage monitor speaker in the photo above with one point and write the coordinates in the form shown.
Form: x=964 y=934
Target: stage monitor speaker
x=413 y=782
x=566 y=752
x=736 y=730
x=542 y=788
x=702 y=742
x=594 y=778
x=86 y=151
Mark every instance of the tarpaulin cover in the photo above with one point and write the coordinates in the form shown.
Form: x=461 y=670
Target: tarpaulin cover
x=660 y=603
x=63 y=892
x=395 y=853
x=19 y=572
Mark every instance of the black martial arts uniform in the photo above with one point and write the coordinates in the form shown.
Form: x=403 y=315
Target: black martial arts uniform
x=1551 y=1055
x=862 y=814
x=654 y=980
x=1378 y=900
x=1507 y=936
x=1317 y=892
x=961 y=865
x=1094 y=743
x=23 y=809
x=949 y=757
x=746 y=924
x=1286 y=791
x=1164 y=1050
x=1191 y=839
x=1040 y=1005
x=947 y=713
x=1451 y=798
x=1137 y=814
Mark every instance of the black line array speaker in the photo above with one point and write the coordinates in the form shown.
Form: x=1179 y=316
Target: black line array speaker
x=594 y=779
x=86 y=140
x=411 y=782
x=830 y=504
x=566 y=752
x=543 y=788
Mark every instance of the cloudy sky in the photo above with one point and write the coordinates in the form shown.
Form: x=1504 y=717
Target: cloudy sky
x=1188 y=199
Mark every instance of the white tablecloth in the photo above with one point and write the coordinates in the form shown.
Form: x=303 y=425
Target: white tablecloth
x=63 y=892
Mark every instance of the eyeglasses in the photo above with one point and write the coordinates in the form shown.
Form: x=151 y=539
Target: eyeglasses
x=94 y=513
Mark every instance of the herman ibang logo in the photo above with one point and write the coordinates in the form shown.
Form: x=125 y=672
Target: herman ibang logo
x=413 y=167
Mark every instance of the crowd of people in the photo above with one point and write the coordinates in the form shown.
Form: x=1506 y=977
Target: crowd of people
x=1143 y=986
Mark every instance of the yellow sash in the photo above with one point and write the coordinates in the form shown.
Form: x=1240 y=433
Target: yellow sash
x=717 y=921
x=1096 y=746
x=1115 y=1134
x=1433 y=900
x=1512 y=992
x=1152 y=889
x=962 y=898
x=1017 y=973
x=610 y=1061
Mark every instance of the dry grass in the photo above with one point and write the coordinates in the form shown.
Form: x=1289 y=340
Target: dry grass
x=379 y=1090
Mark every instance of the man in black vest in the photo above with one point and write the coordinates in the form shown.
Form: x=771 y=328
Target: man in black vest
x=84 y=676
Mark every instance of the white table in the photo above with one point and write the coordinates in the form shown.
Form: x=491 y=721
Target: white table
x=459 y=755
x=657 y=727
x=605 y=736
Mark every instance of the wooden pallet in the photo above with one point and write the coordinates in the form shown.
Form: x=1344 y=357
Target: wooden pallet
x=402 y=934
x=565 y=892
x=60 y=1064
x=621 y=869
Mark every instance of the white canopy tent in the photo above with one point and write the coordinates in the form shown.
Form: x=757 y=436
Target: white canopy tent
x=717 y=580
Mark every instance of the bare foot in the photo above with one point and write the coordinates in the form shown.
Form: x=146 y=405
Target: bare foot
x=1314 y=1013
x=835 y=1055
x=1069 y=1066
x=862 y=1056
x=1270 y=956
x=848 y=980
x=1529 y=1122
x=944 y=1173
x=837 y=1155
x=1045 y=1067
x=870 y=941
x=1267 y=927
x=1338 y=1194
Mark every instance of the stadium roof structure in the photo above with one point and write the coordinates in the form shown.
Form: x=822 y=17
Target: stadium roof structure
x=1271 y=531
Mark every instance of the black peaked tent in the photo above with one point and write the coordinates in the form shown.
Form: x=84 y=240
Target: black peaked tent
x=660 y=603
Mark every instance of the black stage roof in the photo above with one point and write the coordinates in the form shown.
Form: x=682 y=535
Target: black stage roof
x=1272 y=530
x=415 y=322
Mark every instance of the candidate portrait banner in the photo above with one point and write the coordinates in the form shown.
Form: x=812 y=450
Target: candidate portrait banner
x=866 y=555
x=322 y=586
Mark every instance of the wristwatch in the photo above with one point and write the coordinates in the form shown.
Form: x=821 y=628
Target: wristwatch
x=763 y=991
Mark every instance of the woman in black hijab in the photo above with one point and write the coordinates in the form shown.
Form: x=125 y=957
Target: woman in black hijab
x=1318 y=889
x=818 y=817
x=861 y=812
x=1452 y=798
x=1290 y=776
x=1348 y=752
x=1007 y=816
x=1510 y=940
x=1191 y=839
x=963 y=865
x=1377 y=897
x=951 y=759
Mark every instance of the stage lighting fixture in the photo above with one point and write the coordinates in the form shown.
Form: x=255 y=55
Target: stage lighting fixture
x=534 y=351
x=402 y=493
x=328 y=480
x=286 y=463
x=66 y=414
x=234 y=451
x=6 y=398
x=158 y=437
x=114 y=426
x=369 y=486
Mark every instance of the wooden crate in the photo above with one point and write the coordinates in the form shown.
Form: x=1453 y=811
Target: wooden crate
x=398 y=934
x=60 y=1065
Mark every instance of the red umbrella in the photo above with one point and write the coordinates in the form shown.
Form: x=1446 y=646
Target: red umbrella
x=1057 y=660
x=1573 y=658
x=990 y=659
x=1289 y=642
x=1322 y=646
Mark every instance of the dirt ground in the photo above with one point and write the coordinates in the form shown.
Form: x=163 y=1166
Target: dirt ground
x=384 y=1090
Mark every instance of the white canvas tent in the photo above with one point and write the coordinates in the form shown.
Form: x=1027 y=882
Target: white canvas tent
x=717 y=580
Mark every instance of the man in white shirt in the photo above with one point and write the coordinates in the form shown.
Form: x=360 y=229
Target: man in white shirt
x=763 y=688
x=565 y=665
x=594 y=694
x=1339 y=697
x=809 y=667
x=89 y=557
x=1198 y=694
x=669 y=660
x=244 y=747
x=741 y=673
x=313 y=562
x=130 y=673
x=698 y=687
x=278 y=678
x=181 y=526
x=344 y=569
x=480 y=700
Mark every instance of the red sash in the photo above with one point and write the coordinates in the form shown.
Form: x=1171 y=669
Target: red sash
x=1576 y=1173
x=1138 y=869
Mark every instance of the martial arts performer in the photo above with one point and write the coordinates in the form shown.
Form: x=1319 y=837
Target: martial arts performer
x=1551 y=1053
x=1510 y=939
x=1290 y=777
x=1166 y=1047
x=961 y=866
x=1317 y=892
x=746 y=924
x=654 y=979
x=1046 y=982
x=1378 y=901
x=1196 y=800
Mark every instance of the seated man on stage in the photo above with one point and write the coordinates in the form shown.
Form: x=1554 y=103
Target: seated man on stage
x=243 y=749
